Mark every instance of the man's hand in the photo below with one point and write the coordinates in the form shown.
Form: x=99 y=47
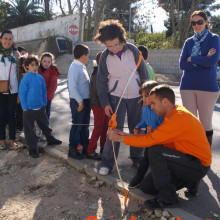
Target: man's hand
x=113 y=136
x=189 y=59
x=80 y=107
x=108 y=110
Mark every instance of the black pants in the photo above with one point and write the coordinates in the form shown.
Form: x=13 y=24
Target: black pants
x=7 y=115
x=170 y=171
x=29 y=116
x=19 y=117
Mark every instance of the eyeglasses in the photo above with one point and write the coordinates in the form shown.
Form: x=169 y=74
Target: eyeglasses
x=199 y=22
x=114 y=47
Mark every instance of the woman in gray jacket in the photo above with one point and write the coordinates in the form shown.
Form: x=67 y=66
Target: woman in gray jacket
x=116 y=65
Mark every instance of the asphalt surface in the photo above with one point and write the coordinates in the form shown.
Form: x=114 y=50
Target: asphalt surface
x=209 y=190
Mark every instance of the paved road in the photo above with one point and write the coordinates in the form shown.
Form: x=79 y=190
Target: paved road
x=209 y=190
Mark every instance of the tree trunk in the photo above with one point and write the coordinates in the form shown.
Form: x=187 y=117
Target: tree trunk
x=173 y=22
x=81 y=29
x=69 y=7
x=61 y=8
x=47 y=9
x=89 y=14
x=98 y=14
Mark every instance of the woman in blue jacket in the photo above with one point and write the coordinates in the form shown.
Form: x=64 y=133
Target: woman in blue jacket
x=198 y=60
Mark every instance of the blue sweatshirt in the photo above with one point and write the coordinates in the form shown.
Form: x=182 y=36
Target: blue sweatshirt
x=150 y=118
x=32 y=91
x=78 y=81
x=201 y=76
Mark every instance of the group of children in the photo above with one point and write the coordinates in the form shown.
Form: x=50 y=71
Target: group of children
x=84 y=96
x=37 y=85
x=36 y=91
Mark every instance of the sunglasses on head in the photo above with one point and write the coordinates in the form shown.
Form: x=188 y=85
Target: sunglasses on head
x=199 y=22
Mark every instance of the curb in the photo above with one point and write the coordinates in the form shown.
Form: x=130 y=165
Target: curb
x=110 y=180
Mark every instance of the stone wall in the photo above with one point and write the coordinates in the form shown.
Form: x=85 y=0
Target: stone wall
x=165 y=60
x=68 y=26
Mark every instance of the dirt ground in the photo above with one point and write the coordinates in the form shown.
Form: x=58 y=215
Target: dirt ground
x=47 y=188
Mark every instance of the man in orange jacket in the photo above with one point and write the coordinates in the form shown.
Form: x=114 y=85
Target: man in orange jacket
x=179 y=152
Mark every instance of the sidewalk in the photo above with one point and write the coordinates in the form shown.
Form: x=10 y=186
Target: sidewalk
x=209 y=196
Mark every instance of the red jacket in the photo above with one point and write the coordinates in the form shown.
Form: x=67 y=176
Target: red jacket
x=50 y=76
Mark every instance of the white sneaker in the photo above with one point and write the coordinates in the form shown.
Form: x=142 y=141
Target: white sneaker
x=104 y=171
x=2 y=146
x=42 y=138
x=14 y=147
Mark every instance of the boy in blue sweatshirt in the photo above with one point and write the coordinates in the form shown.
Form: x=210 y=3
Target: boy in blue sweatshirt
x=33 y=97
x=79 y=94
x=150 y=121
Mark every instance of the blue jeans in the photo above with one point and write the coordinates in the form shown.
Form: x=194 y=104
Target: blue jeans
x=79 y=132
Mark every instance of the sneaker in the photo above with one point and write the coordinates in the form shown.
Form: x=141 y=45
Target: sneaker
x=54 y=141
x=33 y=153
x=42 y=138
x=94 y=156
x=2 y=146
x=13 y=146
x=73 y=153
x=135 y=164
x=135 y=182
x=104 y=171
x=157 y=204
x=192 y=190
x=101 y=150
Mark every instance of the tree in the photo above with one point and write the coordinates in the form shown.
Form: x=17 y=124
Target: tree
x=154 y=40
x=23 y=12
x=47 y=8
x=215 y=24
x=120 y=9
x=179 y=16
x=4 y=8
x=99 y=7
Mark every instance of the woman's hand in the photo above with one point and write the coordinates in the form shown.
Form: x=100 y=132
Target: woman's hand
x=150 y=129
x=18 y=100
x=189 y=59
x=108 y=110
x=136 y=130
x=211 y=52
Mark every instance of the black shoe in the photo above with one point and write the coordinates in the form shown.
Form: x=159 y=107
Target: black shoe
x=94 y=156
x=157 y=204
x=192 y=191
x=33 y=153
x=73 y=153
x=135 y=164
x=101 y=150
x=135 y=182
x=54 y=141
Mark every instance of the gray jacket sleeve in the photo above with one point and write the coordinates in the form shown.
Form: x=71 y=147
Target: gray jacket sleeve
x=102 y=80
x=142 y=69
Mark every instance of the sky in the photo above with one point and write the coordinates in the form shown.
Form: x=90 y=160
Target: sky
x=157 y=15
